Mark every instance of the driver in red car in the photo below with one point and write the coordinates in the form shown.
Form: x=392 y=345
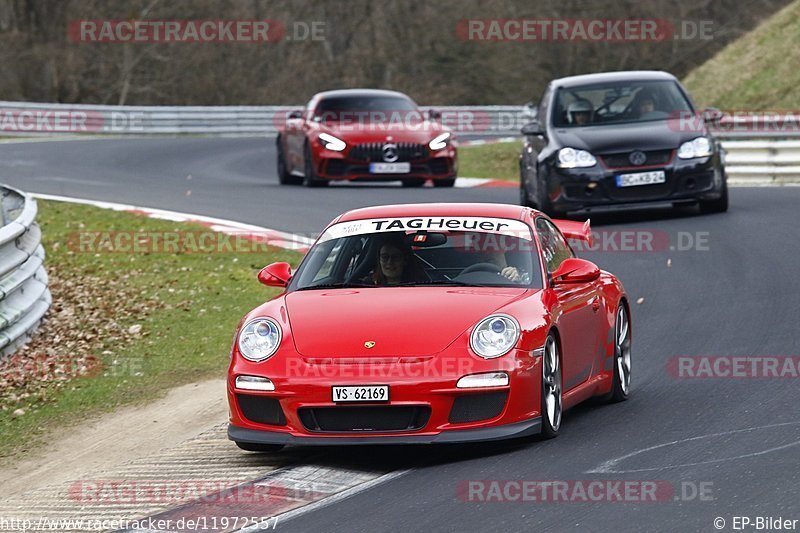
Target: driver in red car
x=393 y=264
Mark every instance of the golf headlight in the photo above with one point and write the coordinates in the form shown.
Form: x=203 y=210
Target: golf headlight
x=440 y=141
x=572 y=158
x=700 y=147
x=494 y=336
x=259 y=339
x=329 y=142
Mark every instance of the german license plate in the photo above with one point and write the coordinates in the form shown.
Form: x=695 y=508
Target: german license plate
x=361 y=393
x=641 y=178
x=389 y=168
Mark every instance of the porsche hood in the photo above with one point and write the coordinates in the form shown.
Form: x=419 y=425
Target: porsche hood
x=395 y=321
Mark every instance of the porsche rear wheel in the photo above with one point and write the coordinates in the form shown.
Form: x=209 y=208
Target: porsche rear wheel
x=622 y=356
x=551 y=389
x=257 y=447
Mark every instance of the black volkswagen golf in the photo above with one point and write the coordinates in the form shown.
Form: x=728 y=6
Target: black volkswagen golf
x=620 y=140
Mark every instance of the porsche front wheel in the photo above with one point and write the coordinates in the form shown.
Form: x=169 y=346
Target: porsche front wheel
x=622 y=356
x=551 y=389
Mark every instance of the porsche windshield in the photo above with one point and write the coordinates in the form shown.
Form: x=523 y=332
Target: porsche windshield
x=617 y=103
x=352 y=255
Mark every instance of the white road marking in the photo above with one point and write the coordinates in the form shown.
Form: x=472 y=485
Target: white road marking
x=325 y=502
x=608 y=467
x=281 y=239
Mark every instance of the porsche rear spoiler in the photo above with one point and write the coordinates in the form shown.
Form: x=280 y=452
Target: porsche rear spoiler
x=578 y=231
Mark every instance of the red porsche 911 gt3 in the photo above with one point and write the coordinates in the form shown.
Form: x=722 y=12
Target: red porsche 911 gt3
x=429 y=323
x=365 y=135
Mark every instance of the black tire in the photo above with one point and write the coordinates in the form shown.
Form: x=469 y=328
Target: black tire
x=447 y=182
x=523 y=196
x=622 y=356
x=261 y=448
x=543 y=202
x=551 y=389
x=310 y=178
x=720 y=205
x=413 y=182
x=524 y=200
x=284 y=176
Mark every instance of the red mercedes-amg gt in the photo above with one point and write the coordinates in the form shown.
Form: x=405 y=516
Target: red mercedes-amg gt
x=429 y=323
x=365 y=135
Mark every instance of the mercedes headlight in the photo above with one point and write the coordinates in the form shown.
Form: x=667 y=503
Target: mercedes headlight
x=572 y=158
x=700 y=147
x=494 y=336
x=330 y=142
x=259 y=339
x=440 y=141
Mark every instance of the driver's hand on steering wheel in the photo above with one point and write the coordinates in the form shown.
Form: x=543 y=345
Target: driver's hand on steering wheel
x=511 y=273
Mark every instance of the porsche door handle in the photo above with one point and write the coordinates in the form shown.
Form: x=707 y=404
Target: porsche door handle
x=595 y=304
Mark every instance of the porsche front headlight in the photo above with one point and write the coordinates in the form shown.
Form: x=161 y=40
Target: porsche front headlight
x=494 y=336
x=259 y=339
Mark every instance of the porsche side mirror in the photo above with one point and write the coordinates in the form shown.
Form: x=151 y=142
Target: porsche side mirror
x=574 y=270
x=532 y=128
x=293 y=115
x=275 y=275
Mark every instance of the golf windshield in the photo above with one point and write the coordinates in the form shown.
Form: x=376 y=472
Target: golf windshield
x=422 y=251
x=618 y=102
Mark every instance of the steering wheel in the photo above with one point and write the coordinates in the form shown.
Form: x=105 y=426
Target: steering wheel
x=481 y=267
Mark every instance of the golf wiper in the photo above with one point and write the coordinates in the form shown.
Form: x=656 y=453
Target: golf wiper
x=341 y=285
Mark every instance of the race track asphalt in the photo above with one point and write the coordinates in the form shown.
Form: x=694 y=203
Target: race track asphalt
x=733 y=293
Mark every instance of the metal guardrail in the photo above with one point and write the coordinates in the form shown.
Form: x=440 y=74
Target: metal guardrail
x=24 y=293
x=770 y=157
x=770 y=160
x=29 y=119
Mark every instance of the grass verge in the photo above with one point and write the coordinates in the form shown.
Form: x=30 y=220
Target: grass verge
x=757 y=71
x=124 y=327
x=498 y=161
